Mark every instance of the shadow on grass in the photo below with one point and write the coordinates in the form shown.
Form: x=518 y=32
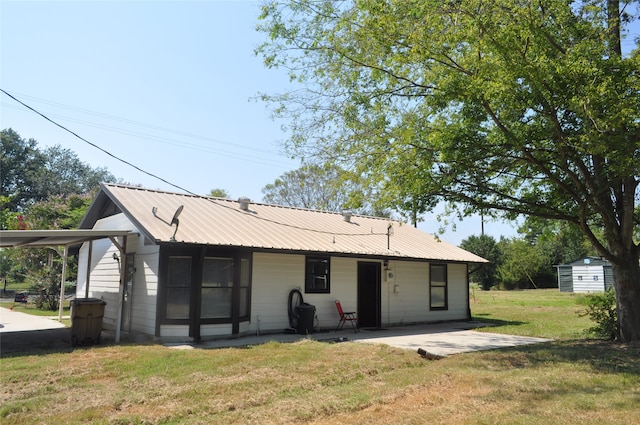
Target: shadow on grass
x=482 y=317
x=600 y=355
x=30 y=343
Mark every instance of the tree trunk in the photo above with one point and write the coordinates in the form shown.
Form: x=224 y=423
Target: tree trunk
x=627 y=285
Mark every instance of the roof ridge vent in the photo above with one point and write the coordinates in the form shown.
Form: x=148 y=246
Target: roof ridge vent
x=244 y=203
x=346 y=215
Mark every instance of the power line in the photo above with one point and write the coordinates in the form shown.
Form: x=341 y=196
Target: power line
x=140 y=124
x=179 y=187
x=221 y=152
x=98 y=147
x=269 y=160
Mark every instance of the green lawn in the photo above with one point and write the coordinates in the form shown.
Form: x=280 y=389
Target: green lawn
x=546 y=313
x=572 y=380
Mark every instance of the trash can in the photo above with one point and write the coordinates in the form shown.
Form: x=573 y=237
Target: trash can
x=306 y=314
x=86 y=320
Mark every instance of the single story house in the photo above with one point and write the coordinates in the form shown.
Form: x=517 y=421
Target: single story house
x=202 y=267
x=591 y=274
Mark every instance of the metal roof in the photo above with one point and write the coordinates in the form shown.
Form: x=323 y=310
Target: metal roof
x=44 y=238
x=588 y=261
x=222 y=222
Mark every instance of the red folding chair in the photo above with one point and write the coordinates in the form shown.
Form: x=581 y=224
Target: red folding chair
x=346 y=316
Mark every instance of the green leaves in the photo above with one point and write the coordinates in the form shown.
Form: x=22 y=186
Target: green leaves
x=526 y=108
x=511 y=96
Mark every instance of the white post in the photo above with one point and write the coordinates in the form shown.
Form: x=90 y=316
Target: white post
x=123 y=260
x=62 y=280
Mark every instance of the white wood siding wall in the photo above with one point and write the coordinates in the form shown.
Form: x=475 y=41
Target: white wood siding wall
x=273 y=277
x=145 y=285
x=404 y=300
x=104 y=279
x=407 y=296
x=458 y=294
x=344 y=278
x=105 y=276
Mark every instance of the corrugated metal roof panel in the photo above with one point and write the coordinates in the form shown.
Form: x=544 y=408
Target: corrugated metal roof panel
x=215 y=221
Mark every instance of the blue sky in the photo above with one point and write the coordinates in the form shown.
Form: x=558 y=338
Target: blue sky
x=167 y=86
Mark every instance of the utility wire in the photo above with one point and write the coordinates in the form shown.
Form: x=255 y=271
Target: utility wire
x=173 y=142
x=98 y=147
x=141 y=124
x=181 y=188
x=254 y=157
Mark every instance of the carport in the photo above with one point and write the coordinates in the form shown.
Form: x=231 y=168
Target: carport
x=67 y=239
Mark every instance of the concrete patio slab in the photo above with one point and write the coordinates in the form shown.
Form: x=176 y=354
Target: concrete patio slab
x=18 y=331
x=441 y=339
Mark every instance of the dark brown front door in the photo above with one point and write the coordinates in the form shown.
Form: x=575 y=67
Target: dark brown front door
x=369 y=294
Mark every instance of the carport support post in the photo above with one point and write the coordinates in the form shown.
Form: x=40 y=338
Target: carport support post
x=86 y=287
x=62 y=280
x=123 y=255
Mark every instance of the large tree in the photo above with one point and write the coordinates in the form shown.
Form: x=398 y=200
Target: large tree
x=323 y=187
x=30 y=174
x=486 y=247
x=20 y=164
x=522 y=107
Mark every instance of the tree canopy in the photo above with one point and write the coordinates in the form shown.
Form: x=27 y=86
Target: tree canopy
x=219 y=193
x=30 y=174
x=486 y=247
x=323 y=187
x=520 y=107
x=42 y=189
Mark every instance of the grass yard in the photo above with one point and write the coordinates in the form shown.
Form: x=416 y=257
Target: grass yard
x=546 y=313
x=30 y=308
x=572 y=380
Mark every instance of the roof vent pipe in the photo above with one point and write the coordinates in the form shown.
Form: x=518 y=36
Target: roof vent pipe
x=346 y=215
x=244 y=203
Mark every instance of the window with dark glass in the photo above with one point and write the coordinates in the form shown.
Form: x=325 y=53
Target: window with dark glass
x=178 y=287
x=438 y=286
x=317 y=275
x=217 y=287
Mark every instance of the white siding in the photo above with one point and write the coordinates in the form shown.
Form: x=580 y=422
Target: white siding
x=407 y=296
x=175 y=331
x=404 y=300
x=104 y=279
x=104 y=282
x=145 y=286
x=273 y=277
x=344 y=275
x=458 y=294
x=588 y=278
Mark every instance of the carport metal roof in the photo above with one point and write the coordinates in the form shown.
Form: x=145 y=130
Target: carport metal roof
x=54 y=238
x=66 y=238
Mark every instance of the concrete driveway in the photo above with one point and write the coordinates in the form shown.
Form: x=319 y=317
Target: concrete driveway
x=14 y=321
x=22 y=334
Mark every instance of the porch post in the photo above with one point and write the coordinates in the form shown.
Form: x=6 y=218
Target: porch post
x=62 y=280
x=123 y=257
x=89 y=259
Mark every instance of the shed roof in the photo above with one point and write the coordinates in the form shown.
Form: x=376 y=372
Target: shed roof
x=222 y=222
x=591 y=261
